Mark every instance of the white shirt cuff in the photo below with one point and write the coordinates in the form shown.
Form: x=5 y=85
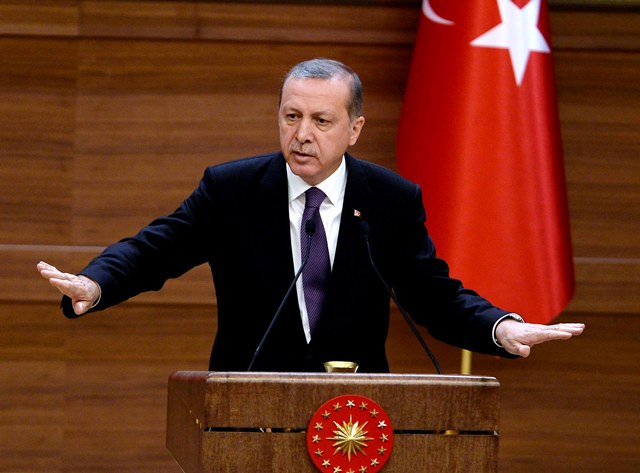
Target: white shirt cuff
x=99 y=293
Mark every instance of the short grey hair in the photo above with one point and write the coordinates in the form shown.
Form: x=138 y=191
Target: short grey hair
x=321 y=68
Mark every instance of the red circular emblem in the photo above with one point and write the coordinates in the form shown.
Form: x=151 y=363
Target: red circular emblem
x=350 y=434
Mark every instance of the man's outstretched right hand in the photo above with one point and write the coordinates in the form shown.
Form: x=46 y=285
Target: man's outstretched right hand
x=84 y=292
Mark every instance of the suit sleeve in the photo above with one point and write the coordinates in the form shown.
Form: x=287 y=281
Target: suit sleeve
x=166 y=248
x=452 y=313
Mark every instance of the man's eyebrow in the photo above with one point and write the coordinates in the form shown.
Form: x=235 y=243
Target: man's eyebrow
x=327 y=113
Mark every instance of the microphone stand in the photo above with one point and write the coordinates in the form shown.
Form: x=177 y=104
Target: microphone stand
x=310 y=229
x=364 y=230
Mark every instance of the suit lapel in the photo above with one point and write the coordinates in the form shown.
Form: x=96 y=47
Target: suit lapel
x=276 y=253
x=273 y=221
x=355 y=208
x=350 y=249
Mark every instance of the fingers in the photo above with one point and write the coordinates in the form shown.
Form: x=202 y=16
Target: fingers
x=544 y=333
x=46 y=270
x=82 y=290
x=573 y=329
x=51 y=272
x=518 y=338
x=64 y=282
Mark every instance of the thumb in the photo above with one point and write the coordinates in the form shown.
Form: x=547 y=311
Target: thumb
x=80 y=307
x=522 y=350
x=516 y=348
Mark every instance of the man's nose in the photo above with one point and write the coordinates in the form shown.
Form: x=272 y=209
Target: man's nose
x=304 y=132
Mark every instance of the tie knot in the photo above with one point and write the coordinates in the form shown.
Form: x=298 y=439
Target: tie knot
x=314 y=197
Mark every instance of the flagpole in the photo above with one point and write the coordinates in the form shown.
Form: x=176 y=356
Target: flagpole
x=465 y=362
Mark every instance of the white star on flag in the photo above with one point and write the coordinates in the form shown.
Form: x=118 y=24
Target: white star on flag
x=518 y=33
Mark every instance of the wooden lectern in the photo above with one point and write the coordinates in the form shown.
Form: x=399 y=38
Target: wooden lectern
x=257 y=422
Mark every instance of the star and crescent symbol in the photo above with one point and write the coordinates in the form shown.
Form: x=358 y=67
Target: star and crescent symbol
x=517 y=32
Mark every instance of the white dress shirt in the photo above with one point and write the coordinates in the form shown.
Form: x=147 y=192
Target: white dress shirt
x=330 y=213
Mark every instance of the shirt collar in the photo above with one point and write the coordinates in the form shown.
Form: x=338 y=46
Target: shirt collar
x=332 y=186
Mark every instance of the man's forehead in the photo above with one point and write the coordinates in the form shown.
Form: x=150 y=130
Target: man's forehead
x=315 y=90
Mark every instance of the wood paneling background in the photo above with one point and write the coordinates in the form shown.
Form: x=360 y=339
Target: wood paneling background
x=109 y=112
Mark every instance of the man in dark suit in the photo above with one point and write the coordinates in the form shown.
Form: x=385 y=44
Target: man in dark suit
x=245 y=220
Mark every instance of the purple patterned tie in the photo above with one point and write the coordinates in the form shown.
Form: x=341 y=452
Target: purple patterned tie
x=316 y=274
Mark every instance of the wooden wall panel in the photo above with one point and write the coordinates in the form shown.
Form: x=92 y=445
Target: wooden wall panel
x=110 y=110
x=39 y=17
x=599 y=110
x=603 y=283
x=32 y=391
x=287 y=22
x=37 y=125
x=91 y=396
x=575 y=28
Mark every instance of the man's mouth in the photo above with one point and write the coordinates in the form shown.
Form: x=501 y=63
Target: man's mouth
x=302 y=154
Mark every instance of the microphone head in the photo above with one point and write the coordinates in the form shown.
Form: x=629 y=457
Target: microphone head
x=363 y=228
x=310 y=227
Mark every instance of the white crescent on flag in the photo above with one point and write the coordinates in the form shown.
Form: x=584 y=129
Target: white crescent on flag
x=430 y=13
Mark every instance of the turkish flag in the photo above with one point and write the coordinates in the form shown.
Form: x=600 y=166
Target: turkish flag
x=480 y=133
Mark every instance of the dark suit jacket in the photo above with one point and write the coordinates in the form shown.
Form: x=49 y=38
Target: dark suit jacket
x=237 y=221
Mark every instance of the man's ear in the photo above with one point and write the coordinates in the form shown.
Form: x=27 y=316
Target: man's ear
x=356 y=128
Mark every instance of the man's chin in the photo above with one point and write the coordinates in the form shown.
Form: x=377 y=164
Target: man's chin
x=306 y=171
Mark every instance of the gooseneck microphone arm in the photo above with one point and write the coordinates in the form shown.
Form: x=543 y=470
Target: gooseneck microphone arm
x=309 y=229
x=364 y=232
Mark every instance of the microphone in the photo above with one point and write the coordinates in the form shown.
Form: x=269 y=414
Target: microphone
x=363 y=228
x=309 y=229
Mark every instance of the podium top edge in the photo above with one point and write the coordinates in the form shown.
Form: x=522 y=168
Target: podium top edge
x=321 y=378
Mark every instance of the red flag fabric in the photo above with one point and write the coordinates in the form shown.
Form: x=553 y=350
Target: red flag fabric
x=480 y=133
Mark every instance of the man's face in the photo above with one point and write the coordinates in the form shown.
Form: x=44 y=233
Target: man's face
x=315 y=128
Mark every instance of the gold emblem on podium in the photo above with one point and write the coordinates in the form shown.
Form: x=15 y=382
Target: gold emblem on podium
x=350 y=434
